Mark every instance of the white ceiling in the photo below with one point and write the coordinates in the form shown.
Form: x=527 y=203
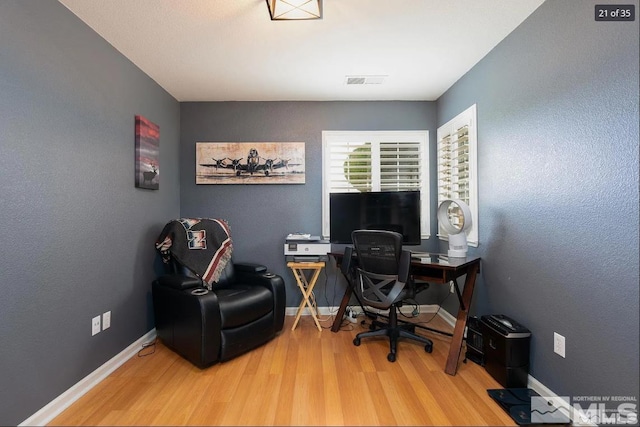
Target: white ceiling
x=230 y=50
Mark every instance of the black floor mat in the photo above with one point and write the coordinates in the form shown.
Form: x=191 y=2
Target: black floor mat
x=518 y=402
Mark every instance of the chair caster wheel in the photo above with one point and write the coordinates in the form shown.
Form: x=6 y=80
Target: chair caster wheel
x=428 y=348
x=356 y=341
x=391 y=357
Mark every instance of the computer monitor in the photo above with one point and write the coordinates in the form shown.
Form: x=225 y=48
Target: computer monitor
x=397 y=211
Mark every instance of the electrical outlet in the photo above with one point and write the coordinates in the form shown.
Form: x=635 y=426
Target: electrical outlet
x=95 y=325
x=558 y=344
x=106 y=320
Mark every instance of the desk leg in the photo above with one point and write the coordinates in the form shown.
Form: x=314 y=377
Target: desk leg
x=461 y=321
x=343 y=307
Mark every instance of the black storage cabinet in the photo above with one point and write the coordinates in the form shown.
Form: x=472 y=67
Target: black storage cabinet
x=475 y=350
x=506 y=350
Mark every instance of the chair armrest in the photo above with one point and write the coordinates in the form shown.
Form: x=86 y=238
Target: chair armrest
x=258 y=275
x=188 y=323
x=179 y=282
x=248 y=267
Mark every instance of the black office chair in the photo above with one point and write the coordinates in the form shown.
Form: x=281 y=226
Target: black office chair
x=383 y=281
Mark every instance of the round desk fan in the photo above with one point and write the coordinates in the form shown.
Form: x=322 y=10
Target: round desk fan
x=455 y=218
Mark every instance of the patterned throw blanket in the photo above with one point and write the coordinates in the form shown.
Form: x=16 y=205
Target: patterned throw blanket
x=203 y=245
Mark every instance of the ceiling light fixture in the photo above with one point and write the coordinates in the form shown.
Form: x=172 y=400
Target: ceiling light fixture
x=291 y=10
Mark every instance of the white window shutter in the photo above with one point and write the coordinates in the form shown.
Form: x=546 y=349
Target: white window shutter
x=400 y=166
x=458 y=165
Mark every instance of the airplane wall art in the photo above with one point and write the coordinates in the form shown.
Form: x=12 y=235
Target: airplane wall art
x=250 y=163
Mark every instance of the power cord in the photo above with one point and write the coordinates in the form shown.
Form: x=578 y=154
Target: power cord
x=437 y=311
x=345 y=324
x=145 y=346
x=414 y=313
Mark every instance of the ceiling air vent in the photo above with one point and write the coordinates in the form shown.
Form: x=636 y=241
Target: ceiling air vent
x=364 y=80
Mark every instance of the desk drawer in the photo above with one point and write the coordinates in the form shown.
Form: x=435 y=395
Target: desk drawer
x=429 y=274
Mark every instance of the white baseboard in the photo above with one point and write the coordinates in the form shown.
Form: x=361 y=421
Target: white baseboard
x=407 y=309
x=557 y=401
x=447 y=317
x=75 y=392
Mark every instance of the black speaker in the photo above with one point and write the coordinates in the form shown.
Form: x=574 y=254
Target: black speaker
x=475 y=351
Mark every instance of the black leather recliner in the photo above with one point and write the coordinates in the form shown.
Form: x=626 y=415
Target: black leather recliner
x=244 y=309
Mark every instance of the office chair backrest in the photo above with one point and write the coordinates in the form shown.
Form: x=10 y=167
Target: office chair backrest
x=383 y=267
x=347 y=262
x=378 y=251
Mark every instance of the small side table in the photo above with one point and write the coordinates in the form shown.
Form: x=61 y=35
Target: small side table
x=306 y=287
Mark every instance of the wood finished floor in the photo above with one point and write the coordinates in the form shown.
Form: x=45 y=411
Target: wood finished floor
x=302 y=377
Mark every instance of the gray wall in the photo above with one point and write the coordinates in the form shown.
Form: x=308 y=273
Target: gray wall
x=261 y=216
x=77 y=237
x=558 y=172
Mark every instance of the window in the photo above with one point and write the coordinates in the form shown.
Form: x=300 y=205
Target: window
x=457 y=155
x=375 y=161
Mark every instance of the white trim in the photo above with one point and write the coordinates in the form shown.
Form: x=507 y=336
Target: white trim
x=566 y=407
x=75 y=392
x=448 y=317
x=407 y=309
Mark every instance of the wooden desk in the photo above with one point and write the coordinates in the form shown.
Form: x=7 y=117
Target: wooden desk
x=437 y=269
x=306 y=287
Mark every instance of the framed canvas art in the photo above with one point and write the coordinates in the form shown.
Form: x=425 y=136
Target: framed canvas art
x=250 y=163
x=147 y=135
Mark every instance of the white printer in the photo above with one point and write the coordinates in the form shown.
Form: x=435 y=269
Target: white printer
x=300 y=247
